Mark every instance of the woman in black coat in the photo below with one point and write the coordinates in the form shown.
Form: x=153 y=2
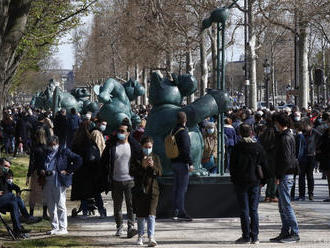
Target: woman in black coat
x=84 y=181
x=267 y=139
x=146 y=191
x=324 y=157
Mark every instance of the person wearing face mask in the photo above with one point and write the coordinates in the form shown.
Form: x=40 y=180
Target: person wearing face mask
x=146 y=190
x=97 y=135
x=25 y=217
x=57 y=165
x=296 y=116
x=138 y=133
x=9 y=202
x=210 y=148
x=119 y=154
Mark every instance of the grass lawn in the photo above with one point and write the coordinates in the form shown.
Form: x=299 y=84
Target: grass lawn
x=20 y=166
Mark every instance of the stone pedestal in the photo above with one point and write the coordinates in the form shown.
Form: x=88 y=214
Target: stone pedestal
x=207 y=197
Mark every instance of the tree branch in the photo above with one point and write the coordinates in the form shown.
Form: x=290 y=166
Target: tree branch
x=84 y=8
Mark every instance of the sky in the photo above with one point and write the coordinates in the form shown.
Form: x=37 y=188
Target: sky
x=65 y=51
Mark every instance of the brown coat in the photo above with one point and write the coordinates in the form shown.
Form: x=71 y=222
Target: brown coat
x=146 y=204
x=210 y=147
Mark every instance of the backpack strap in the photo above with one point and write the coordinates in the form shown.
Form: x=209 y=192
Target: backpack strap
x=177 y=131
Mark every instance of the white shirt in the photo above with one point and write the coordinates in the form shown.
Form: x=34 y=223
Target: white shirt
x=122 y=161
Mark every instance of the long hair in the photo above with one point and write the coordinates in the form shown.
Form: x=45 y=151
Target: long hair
x=40 y=137
x=82 y=135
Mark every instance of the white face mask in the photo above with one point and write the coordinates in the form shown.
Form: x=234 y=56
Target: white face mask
x=297 y=118
x=103 y=127
x=55 y=148
x=210 y=130
x=10 y=181
x=147 y=151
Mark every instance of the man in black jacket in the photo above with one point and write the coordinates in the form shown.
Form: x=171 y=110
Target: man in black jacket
x=246 y=156
x=181 y=165
x=8 y=201
x=286 y=165
x=117 y=157
x=308 y=161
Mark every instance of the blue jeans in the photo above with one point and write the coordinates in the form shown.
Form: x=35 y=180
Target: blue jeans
x=8 y=203
x=288 y=217
x=248 y=200
x=22 y=207
x=9 y=142
x=151 y=220
x=181 y=181
x=98 y=202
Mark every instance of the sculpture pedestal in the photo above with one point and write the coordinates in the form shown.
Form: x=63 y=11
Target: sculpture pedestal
x=207 y=197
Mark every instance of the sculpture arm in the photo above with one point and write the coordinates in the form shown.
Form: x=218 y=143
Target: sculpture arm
x=213 y=103
x=105 y=95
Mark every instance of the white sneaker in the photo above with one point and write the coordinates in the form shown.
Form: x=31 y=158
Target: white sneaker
x=119 y=231
x=52 y=232
x=152 y=242
x=140 y=241
x=61 y=232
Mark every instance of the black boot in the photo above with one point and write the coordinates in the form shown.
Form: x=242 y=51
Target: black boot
x=31 y=211
x=44 y=213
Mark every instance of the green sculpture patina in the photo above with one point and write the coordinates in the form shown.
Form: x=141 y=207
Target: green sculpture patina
x=116 y=98
x=44 y=100
x=166 y=98
x=54 y=98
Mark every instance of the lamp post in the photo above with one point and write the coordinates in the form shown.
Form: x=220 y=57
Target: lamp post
x=219 y=16
x=267 y=71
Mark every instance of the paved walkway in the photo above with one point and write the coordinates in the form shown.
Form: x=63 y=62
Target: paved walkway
x=313 y=218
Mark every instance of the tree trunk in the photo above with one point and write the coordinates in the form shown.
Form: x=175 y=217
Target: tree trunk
x=324 y=86
x=145 y=85
x=253 y=73
x=189 y=70
x=169 y=62
x=204 y=69
x=252 y=57
x=303 y=68
x=13 y=19
x=137 y=78
x=213 y=35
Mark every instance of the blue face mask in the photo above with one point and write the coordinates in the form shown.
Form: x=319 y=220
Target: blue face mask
x=5 y=169
x=121 y=136
x=147 y=151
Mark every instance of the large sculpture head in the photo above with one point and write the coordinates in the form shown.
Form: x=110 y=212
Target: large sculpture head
x=171 y=91
x=81 y=93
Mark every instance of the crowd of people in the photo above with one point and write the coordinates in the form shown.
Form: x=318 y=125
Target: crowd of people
x=265 y=147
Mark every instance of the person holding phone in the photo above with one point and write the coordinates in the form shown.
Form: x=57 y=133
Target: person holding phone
x=146 y=190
